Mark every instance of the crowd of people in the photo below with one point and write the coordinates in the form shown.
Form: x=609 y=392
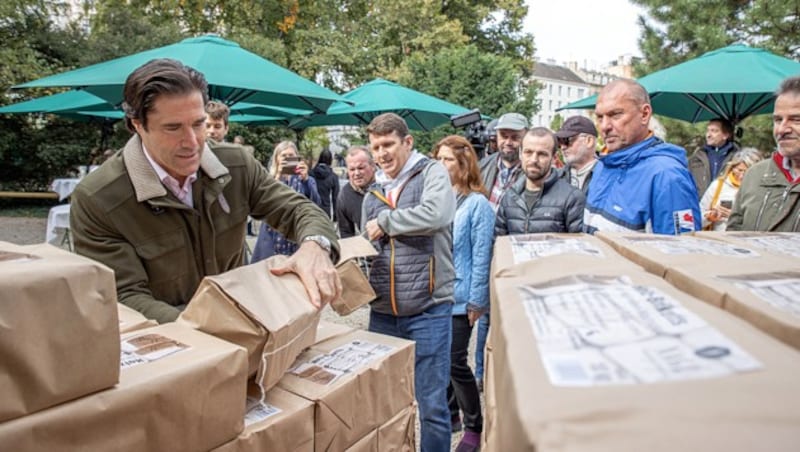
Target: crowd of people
x=171 y=208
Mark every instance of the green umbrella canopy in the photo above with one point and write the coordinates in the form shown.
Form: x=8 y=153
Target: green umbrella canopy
x=587 y=103
x=78 y=105
x=234 y=75
x=421 y=111
x=733 y=82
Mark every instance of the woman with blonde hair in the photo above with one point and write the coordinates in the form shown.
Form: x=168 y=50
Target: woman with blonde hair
x=473 y=237
x=717 y=202
x=287 y=167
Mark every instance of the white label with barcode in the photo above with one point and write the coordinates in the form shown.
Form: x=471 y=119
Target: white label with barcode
x=531 y=247
x=593 y=332
x=258 y=411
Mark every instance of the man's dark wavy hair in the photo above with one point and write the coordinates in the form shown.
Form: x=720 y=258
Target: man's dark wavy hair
x=156 y=78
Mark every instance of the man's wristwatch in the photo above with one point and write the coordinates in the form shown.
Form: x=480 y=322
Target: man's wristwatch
x=322 y=241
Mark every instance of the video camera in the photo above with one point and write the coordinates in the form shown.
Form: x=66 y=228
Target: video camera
x=477 y=131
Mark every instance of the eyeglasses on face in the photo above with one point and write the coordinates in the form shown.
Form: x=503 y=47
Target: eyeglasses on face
x=568 y=141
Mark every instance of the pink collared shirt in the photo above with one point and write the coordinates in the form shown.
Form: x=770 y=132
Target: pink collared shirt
x=182 y=192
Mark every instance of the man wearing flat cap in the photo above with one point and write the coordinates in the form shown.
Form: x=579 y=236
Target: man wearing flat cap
x=578 y=139
x=502 y=169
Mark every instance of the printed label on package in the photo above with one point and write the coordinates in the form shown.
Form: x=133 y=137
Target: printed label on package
x=594 y=331
x=530 y=247
x=258 y=411
x=327 y=368
x=779 y=243
x=780 y=289
x=146 y=348
x=691 y=245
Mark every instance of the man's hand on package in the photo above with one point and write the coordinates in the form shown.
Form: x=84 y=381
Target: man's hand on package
x=315 y=269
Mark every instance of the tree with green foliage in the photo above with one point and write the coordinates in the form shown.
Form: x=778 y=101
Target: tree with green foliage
x=676 y=31
x=471 y=78
x=338 y=43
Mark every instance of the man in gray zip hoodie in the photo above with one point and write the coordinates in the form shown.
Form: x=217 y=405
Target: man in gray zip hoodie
x=407 y=215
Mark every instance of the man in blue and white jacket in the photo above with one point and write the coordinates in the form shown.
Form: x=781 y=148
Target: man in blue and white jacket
x=642 y=184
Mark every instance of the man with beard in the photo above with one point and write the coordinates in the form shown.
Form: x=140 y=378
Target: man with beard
x=641 y=184
x=706 y=162
x=501 y=169
x=578 y=138
x=541 y=201
x=360 y=174
x=769 y=198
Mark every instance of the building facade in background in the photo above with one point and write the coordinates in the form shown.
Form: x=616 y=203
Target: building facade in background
x=561 y=84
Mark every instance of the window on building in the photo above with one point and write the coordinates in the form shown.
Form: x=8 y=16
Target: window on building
x=550 y=89
x=550 y=105
x=559 y=89
x=569 y=91
x=580 y=92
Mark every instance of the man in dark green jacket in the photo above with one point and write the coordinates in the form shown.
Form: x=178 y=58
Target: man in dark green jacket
x=170 y=209
x=769 y=197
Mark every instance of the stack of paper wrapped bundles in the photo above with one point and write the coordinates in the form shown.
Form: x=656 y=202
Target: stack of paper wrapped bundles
x=588 y=351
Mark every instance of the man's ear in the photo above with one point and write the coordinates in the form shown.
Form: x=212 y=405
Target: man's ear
x=647 y=112
x=409 y=140
x=137 y=125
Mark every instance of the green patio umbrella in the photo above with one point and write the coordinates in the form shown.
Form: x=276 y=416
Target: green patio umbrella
x=78 y=105
x=586 y=103
x=421 y=111
x=82 y=106
x=733 y=82
x=234 y=75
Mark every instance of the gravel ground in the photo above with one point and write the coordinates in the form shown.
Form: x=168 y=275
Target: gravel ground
x=28 y=231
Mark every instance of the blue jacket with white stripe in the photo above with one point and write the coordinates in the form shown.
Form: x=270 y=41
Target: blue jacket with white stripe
x=645 y=187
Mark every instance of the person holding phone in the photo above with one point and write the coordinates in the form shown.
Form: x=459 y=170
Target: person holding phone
x=287 y=167
x=717 y=202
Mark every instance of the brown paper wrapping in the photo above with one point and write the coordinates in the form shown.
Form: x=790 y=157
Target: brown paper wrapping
x=704 y=276
x=356 y=289
x=398 y=434
x=270 y=316
x=327 y=330
x=59 y=336
x=131 y=320
x=190 y=400
x=291 y=430
x=594 y=251
x=757 y=410
x=359 y=402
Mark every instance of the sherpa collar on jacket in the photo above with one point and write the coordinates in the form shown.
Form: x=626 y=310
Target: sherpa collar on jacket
x=144 y=178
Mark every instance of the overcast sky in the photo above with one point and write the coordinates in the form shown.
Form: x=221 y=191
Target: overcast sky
x=595 y=31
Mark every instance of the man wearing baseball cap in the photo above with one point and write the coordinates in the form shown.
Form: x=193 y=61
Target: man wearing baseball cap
x=578 y=140
x=501 y=169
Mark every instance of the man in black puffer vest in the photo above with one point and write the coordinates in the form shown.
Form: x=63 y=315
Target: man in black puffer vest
x=541 y=201
x=407 y=215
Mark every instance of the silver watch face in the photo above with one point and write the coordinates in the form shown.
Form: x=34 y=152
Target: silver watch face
x=321 y=241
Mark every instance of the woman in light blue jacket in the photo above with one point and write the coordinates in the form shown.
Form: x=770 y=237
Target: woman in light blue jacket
x=473 y=238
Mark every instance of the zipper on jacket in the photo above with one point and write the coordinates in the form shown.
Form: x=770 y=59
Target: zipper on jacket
x=761 y=210
x=431 y=274
x=796 y=222
x=392 y=288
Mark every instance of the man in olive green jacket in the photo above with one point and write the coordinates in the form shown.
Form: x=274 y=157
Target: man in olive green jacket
x=170 y=209
x=769 y=198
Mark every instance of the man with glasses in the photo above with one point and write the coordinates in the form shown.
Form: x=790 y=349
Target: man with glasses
x=577 y=139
